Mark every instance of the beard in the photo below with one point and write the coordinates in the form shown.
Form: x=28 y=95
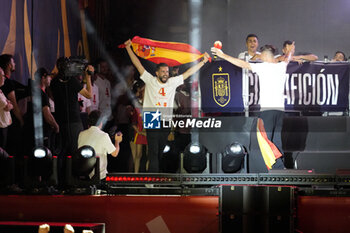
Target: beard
x=163 y=79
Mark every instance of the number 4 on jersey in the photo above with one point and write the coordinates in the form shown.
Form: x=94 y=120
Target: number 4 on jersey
x=161 y=91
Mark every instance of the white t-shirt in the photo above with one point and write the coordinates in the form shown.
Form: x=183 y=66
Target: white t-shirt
x=272 y=77
x=5 y=116
x=95 y=98
x=242 y=55
x=104 y=93
x=160 y=95
x=101 y=143
x=86 y=102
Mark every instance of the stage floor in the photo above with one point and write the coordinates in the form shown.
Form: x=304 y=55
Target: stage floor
x=163 y=214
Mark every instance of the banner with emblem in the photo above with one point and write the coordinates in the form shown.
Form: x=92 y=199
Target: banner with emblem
x=221 y=87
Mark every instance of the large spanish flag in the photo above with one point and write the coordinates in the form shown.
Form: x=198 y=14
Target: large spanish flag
x=171 y=53
x=268 y=150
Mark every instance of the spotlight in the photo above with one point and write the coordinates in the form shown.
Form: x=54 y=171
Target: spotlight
x=232 y=158
x=195 y=158
x=7 y=169
x=40 y=169
x=84 y=161
x=170 y=158
x=41 y=162
x=83 y=169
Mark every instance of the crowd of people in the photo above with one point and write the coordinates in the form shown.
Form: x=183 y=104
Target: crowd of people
x=98 y=109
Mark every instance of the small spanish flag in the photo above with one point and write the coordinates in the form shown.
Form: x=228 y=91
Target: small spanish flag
x=171 y=53
x=268 y=150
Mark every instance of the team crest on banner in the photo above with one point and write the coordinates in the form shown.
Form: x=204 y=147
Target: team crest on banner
x=145 y=51
x=221 y=88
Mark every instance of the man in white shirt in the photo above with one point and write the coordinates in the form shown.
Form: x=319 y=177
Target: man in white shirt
x=104 y=90
x=252 y=43
x=272 y=76
x=99 y=140
x=159 y=95
x=95 y=99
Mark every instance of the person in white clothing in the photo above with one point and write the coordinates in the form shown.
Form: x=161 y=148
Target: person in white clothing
x=99 y=140
x=159 y=95
x=5 y=116
x=272 y=76
x=104 y=90
x=95 y=95
x=84 y=103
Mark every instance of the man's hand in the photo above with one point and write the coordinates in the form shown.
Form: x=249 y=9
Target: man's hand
x=127 y=43
x=206 y=57
x=217 y=52
x=133 y=57
x=118 y=137
x=90 y=69
x=9 y=106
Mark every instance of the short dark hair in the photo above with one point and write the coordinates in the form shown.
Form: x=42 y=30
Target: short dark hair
x=268 y=47
x=287 y=42
x=251 y=35
x=61 y=63
x=5 y=60
x=94 y=118
x=345 y=59
x=161 y=65
x=41 y=72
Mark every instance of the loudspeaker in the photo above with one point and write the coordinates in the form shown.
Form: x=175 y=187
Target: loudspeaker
x=251 y=209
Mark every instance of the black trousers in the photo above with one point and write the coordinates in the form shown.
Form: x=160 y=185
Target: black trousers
x=156 y=139
x=273 y=123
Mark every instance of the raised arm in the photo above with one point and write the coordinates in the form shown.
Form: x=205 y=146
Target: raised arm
x=196 y=67
x=308 y=57
x=235 y=61
x=118 y=139
x=87 y=92
x=134 y=58
x=289 y=57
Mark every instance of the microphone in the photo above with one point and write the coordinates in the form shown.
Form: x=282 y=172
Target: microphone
x=218 y=45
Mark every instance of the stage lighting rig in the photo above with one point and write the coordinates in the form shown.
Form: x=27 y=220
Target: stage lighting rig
x=170 y=158
x=83 y=169
x=232 y=159
x=195 y=159
x=40 y=170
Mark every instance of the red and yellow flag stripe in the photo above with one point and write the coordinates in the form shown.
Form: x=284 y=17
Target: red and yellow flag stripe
x=268 y=150
x=171 y=53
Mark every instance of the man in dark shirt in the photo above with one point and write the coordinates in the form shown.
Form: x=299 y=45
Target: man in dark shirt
x=65 y=92
x=39 y=132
